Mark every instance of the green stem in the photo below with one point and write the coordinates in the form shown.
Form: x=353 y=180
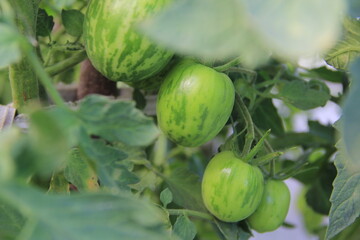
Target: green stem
x=250 y=135
x=66 y=64
x=263 y=160
x=269 y=150
x=23 y=80
x=190 y=213
x=228 y=65
x=257 y=147
x=243 y=70
x=43 y=76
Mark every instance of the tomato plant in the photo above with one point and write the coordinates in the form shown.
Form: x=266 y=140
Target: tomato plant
x=273 y=207
x=160 y=119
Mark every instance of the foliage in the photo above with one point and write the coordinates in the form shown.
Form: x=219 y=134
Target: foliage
x=100 y=168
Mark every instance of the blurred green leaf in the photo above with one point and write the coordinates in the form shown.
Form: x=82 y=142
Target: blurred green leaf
x=84 y=216
x=292 y=139
x=59 y=184
x=312 y=220
x=11 y=222
x=186 y=189
x=344 y=199
x=350 y=233
x=351 y=118
x=325 y=132
x=44 y=23
x=354 y=8
x=48 y=141
x=233 y=231
x=116 y=121
x=347 y=49
x=73 y=22
x=304 y=95
x=166 y=197
x=184 y=228
x=79 y=172
x=325 y=73
x=266 y=117
x=284 y=27
x=318 y=195
x=9 y=45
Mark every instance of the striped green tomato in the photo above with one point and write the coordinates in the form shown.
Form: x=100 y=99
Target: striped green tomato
x=231 y=188
x=194 y=103
x=113 y=44
x=273 y=207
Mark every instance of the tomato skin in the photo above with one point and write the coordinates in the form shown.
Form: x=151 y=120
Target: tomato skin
x=273 y=207
x=194 y=103
x=231 y=188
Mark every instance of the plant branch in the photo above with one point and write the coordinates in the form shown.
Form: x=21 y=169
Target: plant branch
x=250 y=135
x=190 y=213
x=66 y=64
x=42 y=74
x=228 y=65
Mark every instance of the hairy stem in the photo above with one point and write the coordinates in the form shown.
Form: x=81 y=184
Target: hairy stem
x=190 y=213
x=250 y=135
x=66 y=64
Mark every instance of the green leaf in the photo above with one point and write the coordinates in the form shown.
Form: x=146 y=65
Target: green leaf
x=186 y=189
x=116 y=121
x=51 y=152
x=11 y=222
x=354 y=8
x=79 y=172
x=266 y=117
x=351 y=118
x=8 y=140
x=325 y=132
x=184 y=228
x=84 y=216
x=311 y=220
x=282 y=27
x=59 y=184
x=348 y=48
x=345 y=201
x=350 y=233
x=9 y=45
x=44 y=23
x=319 y=193
x=304 y=95
x=292 y=139
x=73 y=22
x=234 y=231
x=166 y=197
x=112 y=169
x=324 y=73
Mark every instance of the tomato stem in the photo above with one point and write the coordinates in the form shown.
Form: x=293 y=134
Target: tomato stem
x=257 y=147
x=250 y=135
x=66 y=64
x=190 y=213
x=228 y=65
x=266 y=159
x=43 y=76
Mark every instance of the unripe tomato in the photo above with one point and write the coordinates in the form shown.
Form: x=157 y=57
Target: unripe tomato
x=194 y=103
x=273 y=207
x=114 y=44
x=231 y=188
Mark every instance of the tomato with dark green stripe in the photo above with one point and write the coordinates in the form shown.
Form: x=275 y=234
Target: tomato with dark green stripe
x=114 y=45
x=273 y=207
x=231 y=188
x=194 y=103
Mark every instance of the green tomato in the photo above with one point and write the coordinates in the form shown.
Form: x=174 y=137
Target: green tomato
x=114 y=44
x=273 y=208
x=231 y=188
x=194 y=103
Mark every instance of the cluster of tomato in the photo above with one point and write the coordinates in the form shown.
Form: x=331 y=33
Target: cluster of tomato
x=194 y=103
